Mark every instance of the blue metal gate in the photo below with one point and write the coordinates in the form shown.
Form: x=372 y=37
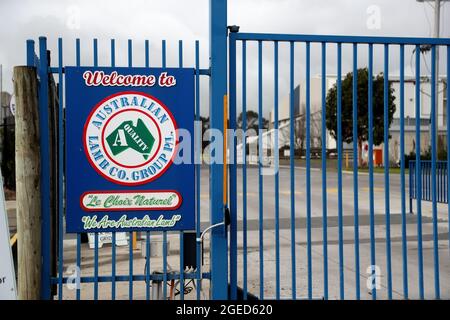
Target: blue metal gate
x=325 y=262
x=71 y=271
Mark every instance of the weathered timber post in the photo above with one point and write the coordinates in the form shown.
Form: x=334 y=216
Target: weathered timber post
x=28 y=191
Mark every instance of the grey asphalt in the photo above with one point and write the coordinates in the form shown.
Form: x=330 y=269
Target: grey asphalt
x=317 y=257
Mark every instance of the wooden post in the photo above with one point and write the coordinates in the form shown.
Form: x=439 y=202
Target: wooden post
x=28 y=191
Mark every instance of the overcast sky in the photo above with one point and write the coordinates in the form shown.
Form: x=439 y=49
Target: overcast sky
x=188 y=20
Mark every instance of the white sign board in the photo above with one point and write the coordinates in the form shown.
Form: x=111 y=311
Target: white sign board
x=106 y=237
x=7 y=275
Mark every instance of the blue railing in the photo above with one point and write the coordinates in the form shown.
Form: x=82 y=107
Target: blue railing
x=426 y=174
x=300 y=270
x=151 y=273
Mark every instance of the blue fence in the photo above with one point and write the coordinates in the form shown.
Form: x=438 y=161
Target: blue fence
x=426 y=170
x=305 y=272
x=168 y=276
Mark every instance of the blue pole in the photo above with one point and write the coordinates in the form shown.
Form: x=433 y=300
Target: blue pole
x=45 y=168
x=233 y=169
x=292 y=168
x=198 y=152
x=418 y=185
x=180 y=64
x=60 y=171
x=30 y=53
x=260 y=180
x=386 y=170
x=434 y=83
x=324 y=174
x=355 y=169
x=95 y=55
x=371 y=184
x=339 y=173
x=402 y=170
x=78 y=259
x=244 y=167
x=113 y=246
x=308 y=168
x=218 y=88
x=277 y=178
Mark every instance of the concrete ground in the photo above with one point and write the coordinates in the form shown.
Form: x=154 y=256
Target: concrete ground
x=300 y=243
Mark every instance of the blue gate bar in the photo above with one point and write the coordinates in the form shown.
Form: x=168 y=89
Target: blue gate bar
x=218 y=88
x=324 y=174
x=30 y=53
x=113 y=244
x=180 y=64
x=45 y=168
x=164 y=65
x=339 y=173
x=131 y=234
x=198 y=155
x=402 y=171
x=95 y=55
x=371 y=184
x=418 y=180
x=78 y=259
x=386 y=170
x=232 y=168
x=339 y=39
x=308 y=167
x=244 y=168
x=60 y=169
x=448 y=144
x=147 y=234
x=292 y=168
x=355 y=168
x=277 y=178
x=434 y=83
x=260 y=183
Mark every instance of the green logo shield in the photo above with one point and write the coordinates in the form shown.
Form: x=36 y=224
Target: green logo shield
x=126 y=135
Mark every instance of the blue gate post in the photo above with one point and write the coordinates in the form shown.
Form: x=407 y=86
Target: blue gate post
x=218 y=88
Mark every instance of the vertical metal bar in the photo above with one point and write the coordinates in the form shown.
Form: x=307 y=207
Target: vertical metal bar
x=180 y=64
x=244 y=168
x=78 y=258
x=260 y=182
x=308 y=167
x=95 y=56
x=233 y=168
x=60 y=171
x=418 y=175
x=218 y=85
x=198 y=152
x=386 y=171
x=339 y=173
x=163 y=60
x=292 y=169
x=131 y=234
x=45 y=168
x=447 y=163
x=147 y=235
x=371 y=184
x=434 y=110
x=402 y=171
x=324 y=173
x=30 y=53
x=355 y=169
x=277 y=178
x=113 y=245
x=411 y=184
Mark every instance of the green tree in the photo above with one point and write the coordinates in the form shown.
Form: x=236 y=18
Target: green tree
x=252 y=121
x=363 y=112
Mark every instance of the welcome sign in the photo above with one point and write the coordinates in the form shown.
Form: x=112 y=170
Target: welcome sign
x=122 y=146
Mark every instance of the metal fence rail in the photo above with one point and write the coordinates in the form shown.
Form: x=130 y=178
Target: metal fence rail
x=49 y=280
x=326 y=47
x=426 y=181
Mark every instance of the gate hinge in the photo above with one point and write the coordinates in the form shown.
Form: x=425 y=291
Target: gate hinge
x=233 y=29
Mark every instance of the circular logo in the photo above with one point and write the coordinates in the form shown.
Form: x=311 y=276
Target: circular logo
x=130 y=138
